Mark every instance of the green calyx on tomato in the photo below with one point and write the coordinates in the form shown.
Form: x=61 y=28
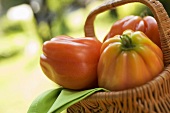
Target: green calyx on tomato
x=126 y=43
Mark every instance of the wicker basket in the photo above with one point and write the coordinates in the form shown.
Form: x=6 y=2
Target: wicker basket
x=153 y=97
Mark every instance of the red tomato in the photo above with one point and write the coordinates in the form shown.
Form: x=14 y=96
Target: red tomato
x=71 y=62
x=147 y=25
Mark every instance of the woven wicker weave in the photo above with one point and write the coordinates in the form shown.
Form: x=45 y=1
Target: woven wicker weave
x=153 y=97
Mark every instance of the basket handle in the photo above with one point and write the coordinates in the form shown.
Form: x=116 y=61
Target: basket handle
x=158 y=11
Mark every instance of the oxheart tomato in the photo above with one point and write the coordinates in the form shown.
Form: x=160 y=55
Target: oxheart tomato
x=128 y=61
x=147 y=25
x=71 y=62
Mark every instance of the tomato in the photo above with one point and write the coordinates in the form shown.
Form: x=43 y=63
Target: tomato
x=128 y=60
x=147 y=25
x=71 y=62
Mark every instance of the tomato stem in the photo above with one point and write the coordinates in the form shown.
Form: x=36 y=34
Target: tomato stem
x=144 y=13
x=126 y=42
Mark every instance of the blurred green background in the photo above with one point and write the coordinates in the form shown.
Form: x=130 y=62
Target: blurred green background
x=26 y=24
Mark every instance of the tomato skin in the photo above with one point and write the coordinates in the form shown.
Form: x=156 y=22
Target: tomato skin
x=71 y=62
x=147 y=25
x=122 y=68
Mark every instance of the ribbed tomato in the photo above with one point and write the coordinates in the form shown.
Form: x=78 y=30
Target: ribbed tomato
x=128 y=60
